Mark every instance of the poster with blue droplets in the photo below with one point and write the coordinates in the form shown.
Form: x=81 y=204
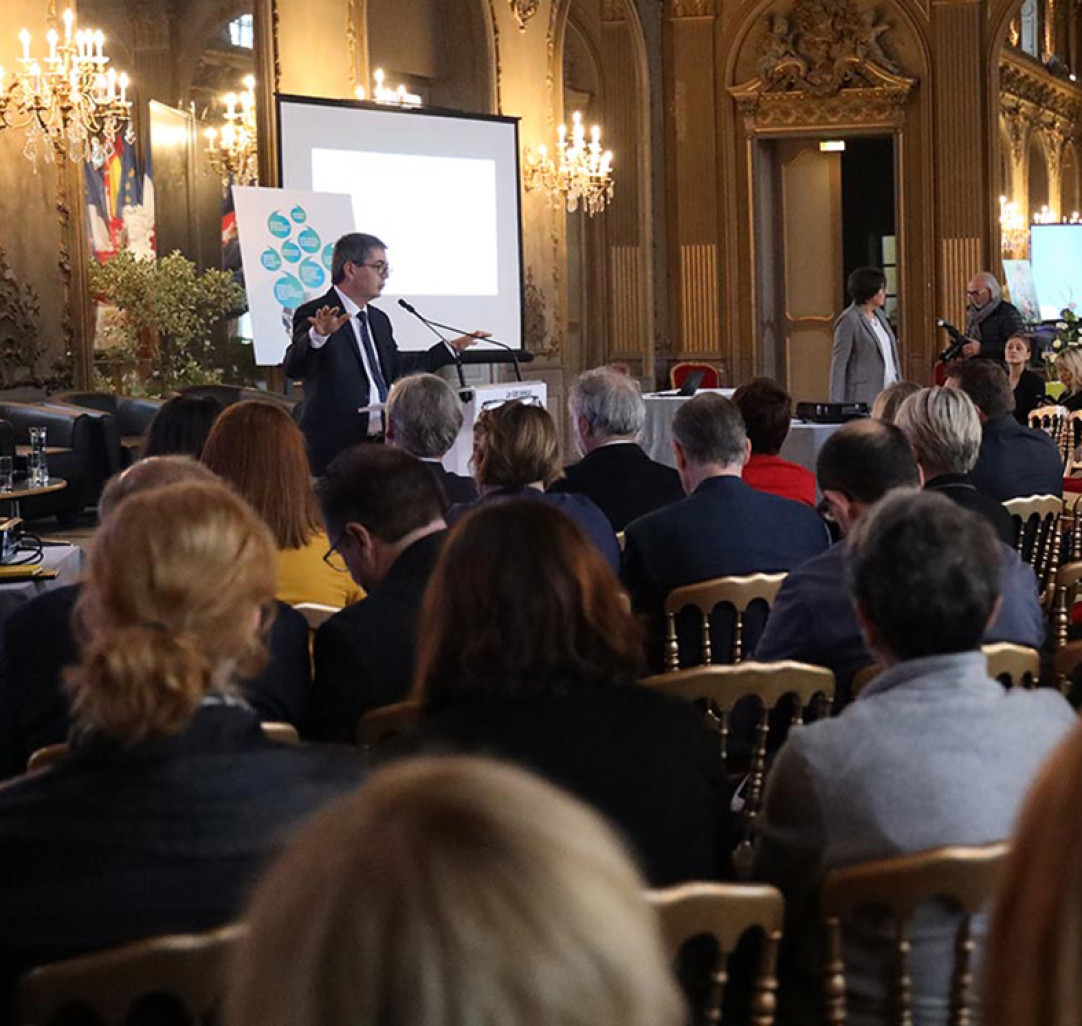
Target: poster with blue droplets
x=287 y=237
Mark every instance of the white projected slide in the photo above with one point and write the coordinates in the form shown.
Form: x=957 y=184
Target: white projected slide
x=442 y=193
x=1056 y=256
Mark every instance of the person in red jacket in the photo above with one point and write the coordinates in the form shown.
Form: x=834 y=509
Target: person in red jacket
x=767 y=410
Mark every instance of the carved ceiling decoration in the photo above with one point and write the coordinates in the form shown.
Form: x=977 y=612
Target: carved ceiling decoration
x=524 y=10
x=823 y=65
x=1022 y=80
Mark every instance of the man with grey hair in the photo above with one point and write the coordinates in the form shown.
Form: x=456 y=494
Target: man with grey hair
x=424 y=417
x=990 y=319
x=944 y=430
x=607 y=414
x=723 y=527
x=344 y=349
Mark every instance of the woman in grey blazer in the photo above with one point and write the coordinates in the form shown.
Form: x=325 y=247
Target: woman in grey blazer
x=865 y=355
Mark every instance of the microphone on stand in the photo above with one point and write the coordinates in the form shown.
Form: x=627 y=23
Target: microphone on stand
x=431 y=327
x=450 y=327
x=958 y=340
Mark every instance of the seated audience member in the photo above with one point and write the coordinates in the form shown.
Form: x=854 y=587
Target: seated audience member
x=607 y=415
x=723 y=527
x=38 y=643
x=1033 y=953
x=1068 y=367
x=889 y=401
x=944 y=430
x=181 y=426
x=812 y=619
x=424 y=417
x=1028 y=388
x=516 y=454
x=767 y=410
x=454 y=891
x=530 y=654
x=385 y=512
x=931 y=753
x=257 y=448
x=1014 y=460
x=172 y=799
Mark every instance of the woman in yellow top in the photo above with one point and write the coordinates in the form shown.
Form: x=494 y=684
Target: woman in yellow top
x=257 y=448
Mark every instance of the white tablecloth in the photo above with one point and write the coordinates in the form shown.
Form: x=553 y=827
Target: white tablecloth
x=801 y=446
x=66 y=559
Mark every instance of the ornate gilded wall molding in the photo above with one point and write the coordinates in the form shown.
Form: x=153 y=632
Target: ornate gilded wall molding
x=497 y=71
x=524 y=10
x=1023 y=79
x=20 y=308
x=694 y=9
x=1017 y=122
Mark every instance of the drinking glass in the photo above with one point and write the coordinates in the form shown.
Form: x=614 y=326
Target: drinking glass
x=34 y=469
x=7 y=472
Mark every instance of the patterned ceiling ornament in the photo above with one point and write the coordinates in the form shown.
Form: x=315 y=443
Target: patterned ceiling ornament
x=524 y=10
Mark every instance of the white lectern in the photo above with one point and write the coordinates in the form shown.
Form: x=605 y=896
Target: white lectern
x=477 y=399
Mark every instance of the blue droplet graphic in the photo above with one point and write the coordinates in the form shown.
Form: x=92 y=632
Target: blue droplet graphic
x=270 y=259
x=328 y=255
x=299 y=214
x=289 y=292
x=309 y=240
x=291 y=252
x=278 y=226
x=312 y=274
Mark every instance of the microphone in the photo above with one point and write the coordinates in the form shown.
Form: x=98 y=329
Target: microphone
x=958 y=340
x=451 y=327
x=409 y=308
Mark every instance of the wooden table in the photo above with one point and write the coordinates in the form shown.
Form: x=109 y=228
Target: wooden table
x=14 y=497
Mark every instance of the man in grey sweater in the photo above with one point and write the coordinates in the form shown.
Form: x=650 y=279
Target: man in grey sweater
x=931 y=753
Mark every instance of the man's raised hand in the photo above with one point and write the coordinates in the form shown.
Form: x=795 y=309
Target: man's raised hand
x=327 y=320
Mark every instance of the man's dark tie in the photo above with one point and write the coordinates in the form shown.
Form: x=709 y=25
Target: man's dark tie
x=370 y=352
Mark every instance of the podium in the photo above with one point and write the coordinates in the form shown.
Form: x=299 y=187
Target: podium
x=477 y=399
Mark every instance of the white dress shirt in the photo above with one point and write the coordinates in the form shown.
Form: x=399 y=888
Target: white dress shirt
x=890 y=369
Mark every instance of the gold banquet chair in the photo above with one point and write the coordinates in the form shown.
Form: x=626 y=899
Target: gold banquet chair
x=719 y=688
x=1037 y=537
x=738 y=592
x=1068 y=579
x=1010 y=664
x=963 y=877
x=1053 y=421
x=183 y=975
x=725 y=912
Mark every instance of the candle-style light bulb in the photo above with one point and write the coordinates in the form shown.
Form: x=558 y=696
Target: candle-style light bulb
x=249 y=82
x=24 y=38
x=359 y=92
x=69 y=18
x=99 y=42
x=53 y=39
x=123 y=87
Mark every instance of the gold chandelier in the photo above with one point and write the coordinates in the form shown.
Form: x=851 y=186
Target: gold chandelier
x=233 y=152
x=70 y=103
x=1013 y=230
x=581 y=172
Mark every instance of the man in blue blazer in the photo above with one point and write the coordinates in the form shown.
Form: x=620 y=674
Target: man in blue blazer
x=344 y=349
x=813 y=619
x=723 y=527
x=1014 y=460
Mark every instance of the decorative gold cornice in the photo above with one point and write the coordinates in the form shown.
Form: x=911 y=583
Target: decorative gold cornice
x=694 y=9
x=1022 y=78
x=524 y=10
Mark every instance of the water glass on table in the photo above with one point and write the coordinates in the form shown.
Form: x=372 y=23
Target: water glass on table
x=37 y=445
x=34 y=470
x=7 y=473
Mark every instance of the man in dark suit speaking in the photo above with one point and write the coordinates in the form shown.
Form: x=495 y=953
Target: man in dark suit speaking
x=345 y=351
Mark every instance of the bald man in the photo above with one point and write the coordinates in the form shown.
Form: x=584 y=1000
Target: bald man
x=990 y=319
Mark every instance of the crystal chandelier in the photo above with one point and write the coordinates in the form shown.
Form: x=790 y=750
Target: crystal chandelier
x=581 y=172
x=1013 y=231
x=233 y=152
x=70 y=103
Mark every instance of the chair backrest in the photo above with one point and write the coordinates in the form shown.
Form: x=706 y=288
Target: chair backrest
x=1068 y=578
x=719 y=688
x=1071 y=528
x=679 y=371
x=53 y=755
x=1037 y=537
x=386 y=722
x=187 y=970
x=316 y=613
x=725 y=912
x=964 y=877
x=1064 y=663
x=1072 y=449
x=1012 y=665
x=1053 y=421
x=738 y=592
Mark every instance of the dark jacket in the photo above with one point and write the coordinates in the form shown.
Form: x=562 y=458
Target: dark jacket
x=645 y=760
x=364 y=655
x=1028 y=394
x=1015 y=461
x=594 y=523
x=335 y=382
x=725 y=527
x=993 y=332
x=456 y=488
x=37 y=643
x=813 y=620
x=961 y=489
x=622 y=481
x=115 y=845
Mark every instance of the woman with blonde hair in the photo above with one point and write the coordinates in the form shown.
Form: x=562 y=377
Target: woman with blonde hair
x=889 y=401
x=453 y=891
x=516 y=455
x=1033 y=952
x=259 y=450
x=171 y=798
x=1068 y=367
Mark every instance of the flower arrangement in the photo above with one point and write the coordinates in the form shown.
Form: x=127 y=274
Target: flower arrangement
x=1068 y=334
x=161 y=339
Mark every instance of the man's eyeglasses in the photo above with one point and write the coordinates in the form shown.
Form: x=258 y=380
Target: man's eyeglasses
x=333 y=558
x=524 y=400
x=381 y=267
